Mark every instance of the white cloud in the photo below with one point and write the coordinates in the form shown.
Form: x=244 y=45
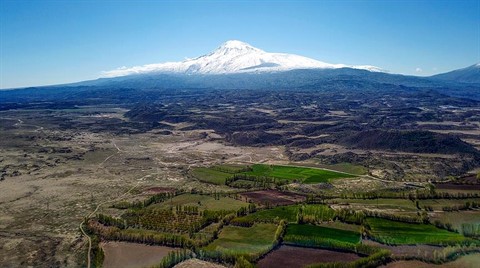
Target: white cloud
x=418 y=70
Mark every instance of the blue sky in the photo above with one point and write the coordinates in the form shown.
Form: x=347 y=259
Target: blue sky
x=51 y=42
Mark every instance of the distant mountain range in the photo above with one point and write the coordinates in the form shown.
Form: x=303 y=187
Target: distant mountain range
x=470 y=74
x=237 y=65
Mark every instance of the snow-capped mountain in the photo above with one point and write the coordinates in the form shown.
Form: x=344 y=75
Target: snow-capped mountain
x=235 y=57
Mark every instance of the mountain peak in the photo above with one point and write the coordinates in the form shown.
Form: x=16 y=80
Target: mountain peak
x=235 y=56
x=470 y=74
x=235 y=47
x=235 y=44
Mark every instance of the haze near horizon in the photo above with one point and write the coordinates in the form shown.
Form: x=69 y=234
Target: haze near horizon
x=53 y=42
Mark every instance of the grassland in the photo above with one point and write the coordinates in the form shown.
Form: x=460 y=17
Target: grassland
x=399 y=233
x=244 y=240
x=322 y=232
x=203 y=202
x=231 y=168
x=347 y=168
x=342 y=226
x=210 y=175
x=303 y=174
x=219 y=173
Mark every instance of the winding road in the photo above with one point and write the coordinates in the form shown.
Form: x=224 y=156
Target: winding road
x=103 y=203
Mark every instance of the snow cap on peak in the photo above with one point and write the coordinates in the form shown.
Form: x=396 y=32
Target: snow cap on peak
x=235 y=44
x=235 y=47
x=235 y=56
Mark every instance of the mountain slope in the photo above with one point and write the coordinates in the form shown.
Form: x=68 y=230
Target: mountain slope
x=234 y=57
x=470 y=74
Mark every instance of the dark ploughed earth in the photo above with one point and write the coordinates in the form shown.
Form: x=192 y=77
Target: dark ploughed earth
x=288 y=256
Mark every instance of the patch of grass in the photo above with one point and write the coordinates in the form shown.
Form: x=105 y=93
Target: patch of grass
x=341 y=226
x=348 y=168
x=312 y=231
x=244 y=240
x=203 y=202
x=211 y=175
x=393 y=232
x=304 y=174
x=230 y=168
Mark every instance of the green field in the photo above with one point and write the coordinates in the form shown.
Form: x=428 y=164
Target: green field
x=289 y=213
x=394 y=232
x=230 y=168
x=312 y=231
x=211 y=175
x=218 y=174
x=244 y=240
x=203 y=202
x=304 y=174
x=347 y=167
x=342 y=226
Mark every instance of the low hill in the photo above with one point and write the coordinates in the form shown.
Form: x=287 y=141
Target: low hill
x=409 y=141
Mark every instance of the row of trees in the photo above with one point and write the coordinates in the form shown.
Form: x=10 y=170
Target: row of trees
x=257 y=181
x=466 y=206
x=139 y=204
x=175 y=257
x=421 y=217
x=443 y=255
x=139 y=236
x=376 y=259
x=447 y=226
x=421 y=194
x=232 y=170
x=315 y=214
x=350 y=216
x=111 y=221
x=251 y=208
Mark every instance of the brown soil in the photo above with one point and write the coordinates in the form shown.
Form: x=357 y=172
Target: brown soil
x=453 y=186
x=291 y=257
x=272 y=197
x=123 y=254
x=467 y=261
x=158 y=190
x=424 y=251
